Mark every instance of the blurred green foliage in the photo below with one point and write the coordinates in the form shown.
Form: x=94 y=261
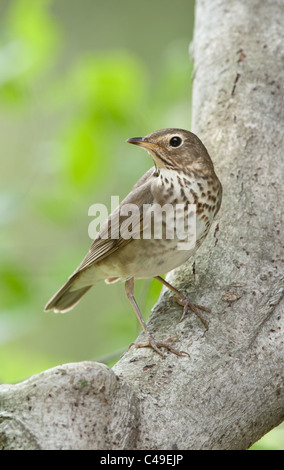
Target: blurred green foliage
x=27 y=48
x=274 y=440
x=64 y=118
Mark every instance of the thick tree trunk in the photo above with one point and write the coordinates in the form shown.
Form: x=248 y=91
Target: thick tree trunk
x=230 y=391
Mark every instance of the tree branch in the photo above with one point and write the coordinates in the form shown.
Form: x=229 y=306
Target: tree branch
x=230 y=391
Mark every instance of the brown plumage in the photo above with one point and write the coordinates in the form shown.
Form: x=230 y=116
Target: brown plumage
x=183 y=174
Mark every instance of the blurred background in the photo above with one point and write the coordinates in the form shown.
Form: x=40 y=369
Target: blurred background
x=76 y=80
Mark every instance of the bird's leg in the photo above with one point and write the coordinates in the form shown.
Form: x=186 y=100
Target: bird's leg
x=156 y=345
x=185 y=302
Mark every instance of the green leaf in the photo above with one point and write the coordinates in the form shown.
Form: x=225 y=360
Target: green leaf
x=18 y=364
x=83 y=155
x=34 y=31
x=14 y=289
x=110 y=86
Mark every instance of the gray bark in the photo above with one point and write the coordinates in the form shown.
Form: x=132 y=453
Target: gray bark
x=230 y=391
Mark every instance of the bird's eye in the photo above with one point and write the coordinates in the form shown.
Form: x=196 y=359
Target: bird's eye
x=175 y=141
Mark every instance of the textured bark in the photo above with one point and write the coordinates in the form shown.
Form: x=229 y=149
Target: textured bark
x=230 y=391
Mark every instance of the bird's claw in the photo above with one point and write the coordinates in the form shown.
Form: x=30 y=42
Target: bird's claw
x=188 y=305
x=156 y=345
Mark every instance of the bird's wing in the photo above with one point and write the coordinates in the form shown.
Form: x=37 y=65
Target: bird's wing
x=104 y=244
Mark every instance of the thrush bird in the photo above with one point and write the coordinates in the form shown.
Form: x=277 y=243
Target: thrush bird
x=183 y=175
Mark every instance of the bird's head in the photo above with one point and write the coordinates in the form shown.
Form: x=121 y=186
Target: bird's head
x=175 y=149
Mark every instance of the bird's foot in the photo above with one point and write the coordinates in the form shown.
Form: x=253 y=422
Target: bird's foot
x=156 y=345
x=188 y=305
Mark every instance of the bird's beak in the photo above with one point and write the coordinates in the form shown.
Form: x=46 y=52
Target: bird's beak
x=135 y=140
x=142 y=142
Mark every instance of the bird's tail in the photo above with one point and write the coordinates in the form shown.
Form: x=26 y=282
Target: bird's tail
x=67 y=297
